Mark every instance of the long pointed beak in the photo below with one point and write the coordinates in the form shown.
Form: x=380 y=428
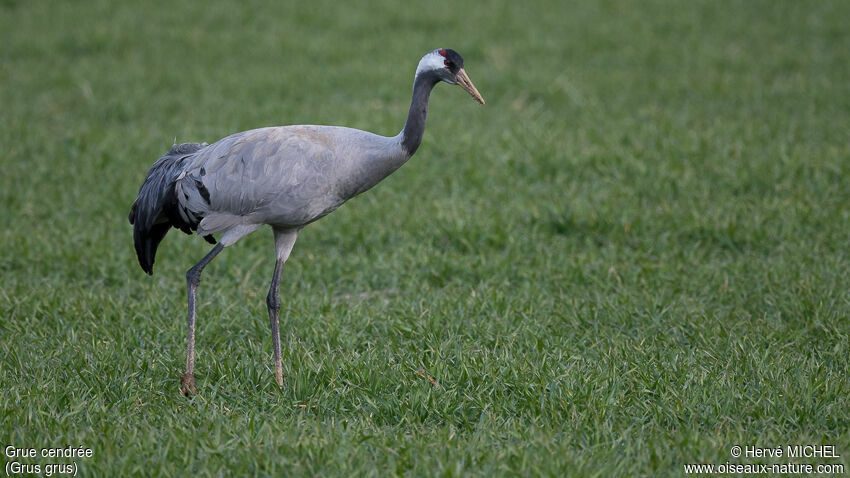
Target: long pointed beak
x=464 y=82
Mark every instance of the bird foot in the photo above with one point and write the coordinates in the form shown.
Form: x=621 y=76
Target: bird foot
x=187 y=384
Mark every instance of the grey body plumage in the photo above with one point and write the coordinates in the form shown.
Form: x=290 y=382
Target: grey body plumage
x=285 y=177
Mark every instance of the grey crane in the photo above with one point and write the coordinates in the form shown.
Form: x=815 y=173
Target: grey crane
x=285 y=177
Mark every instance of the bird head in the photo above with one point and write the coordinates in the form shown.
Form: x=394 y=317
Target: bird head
x=447 y=65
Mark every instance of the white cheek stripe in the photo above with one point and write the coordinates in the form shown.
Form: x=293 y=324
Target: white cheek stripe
x=431 y=61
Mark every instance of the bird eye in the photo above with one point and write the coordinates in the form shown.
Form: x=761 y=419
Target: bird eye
x=447 y=63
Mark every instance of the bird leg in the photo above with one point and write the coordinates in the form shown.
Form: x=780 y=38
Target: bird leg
x=273 y=302
x=193 y=278
x=284 y=240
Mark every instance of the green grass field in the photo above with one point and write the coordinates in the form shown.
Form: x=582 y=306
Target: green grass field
x=634 y=257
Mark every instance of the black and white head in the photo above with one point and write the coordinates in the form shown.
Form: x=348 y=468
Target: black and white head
x=446 y=65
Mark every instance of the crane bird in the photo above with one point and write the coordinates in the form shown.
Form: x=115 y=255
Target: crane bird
x=285 y=176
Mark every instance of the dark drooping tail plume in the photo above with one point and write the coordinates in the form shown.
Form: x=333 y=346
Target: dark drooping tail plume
x=156 y=209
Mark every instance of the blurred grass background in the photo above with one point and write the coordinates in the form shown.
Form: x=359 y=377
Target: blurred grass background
x=632 y=258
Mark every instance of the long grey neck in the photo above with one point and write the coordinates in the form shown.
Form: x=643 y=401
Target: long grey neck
x=378 y=158
x=414 y=128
